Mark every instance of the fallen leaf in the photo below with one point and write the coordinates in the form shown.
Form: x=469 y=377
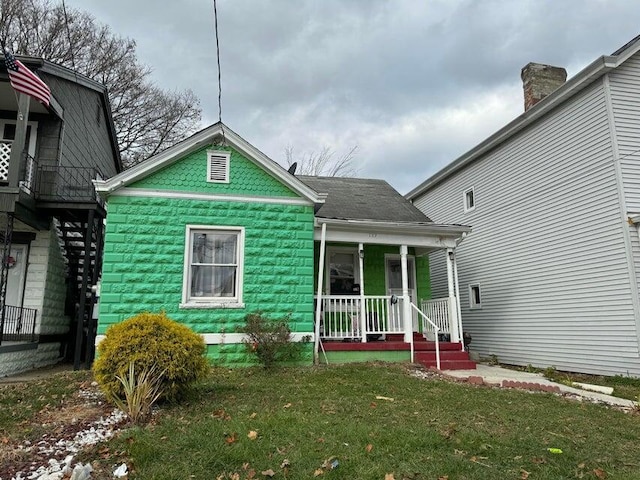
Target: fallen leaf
x=268 y=473
x=538 y=460
x=231 y=438
x=320 y=440
x=581 y=465
x=250 y=474
x=373 y=405
x=252 y=435
x=285 y=463
x=380 y=397
x=287 y=405
x=600 y=473
x=253 y=415
x=389 y=476
x=245 y=466
x=368 y=448
x=318 y=472
x=234 y=476
x=459 y=452
x=444 y=477
x=524 y=474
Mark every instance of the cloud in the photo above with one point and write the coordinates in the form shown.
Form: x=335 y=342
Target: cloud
x=413 y=84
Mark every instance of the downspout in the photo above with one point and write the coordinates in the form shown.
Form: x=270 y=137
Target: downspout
x=458 y=310
x=316 y=345
x=363 y=321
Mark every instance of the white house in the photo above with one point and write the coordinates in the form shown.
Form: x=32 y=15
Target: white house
x=549 y=275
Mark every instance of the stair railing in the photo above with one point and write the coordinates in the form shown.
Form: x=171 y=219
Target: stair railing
x=436 y=330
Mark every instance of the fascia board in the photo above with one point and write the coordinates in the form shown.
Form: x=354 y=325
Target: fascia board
x=363 y=225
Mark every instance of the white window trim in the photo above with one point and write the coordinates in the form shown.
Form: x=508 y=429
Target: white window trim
x=472 y=305
x=218 y=153
x=235 y=302
x=464 y=200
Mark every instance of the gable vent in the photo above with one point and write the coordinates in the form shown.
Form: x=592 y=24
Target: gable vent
x=218 y=167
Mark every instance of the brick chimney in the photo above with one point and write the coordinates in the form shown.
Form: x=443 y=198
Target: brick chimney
x=539 y=80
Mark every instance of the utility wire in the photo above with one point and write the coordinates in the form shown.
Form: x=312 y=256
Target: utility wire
x=215 y=19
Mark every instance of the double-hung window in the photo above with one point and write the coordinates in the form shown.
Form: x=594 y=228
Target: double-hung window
x=213 y=266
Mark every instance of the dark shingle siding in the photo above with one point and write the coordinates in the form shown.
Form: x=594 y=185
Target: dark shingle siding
x=363 y=199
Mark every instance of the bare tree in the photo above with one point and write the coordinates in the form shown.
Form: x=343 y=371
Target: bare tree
x=323 y=163
x=147 y=119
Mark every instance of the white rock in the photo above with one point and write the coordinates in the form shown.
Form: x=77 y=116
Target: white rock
x=121 y=471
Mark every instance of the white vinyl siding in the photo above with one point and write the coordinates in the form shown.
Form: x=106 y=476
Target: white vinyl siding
x=625 y=99
x=218 y=166
x=555 y=279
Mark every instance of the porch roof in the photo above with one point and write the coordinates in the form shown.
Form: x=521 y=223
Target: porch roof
x=363 y=199
x=428 y=235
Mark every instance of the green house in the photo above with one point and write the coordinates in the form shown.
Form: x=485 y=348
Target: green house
x=211 y=230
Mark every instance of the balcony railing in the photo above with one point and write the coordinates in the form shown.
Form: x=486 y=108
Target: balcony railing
x=27 y=176
x=59 y=183
x=18 y=324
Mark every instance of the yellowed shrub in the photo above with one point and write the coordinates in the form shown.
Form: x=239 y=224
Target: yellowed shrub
x=151 y=341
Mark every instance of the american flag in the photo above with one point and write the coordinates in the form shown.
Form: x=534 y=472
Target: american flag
x=25 y=81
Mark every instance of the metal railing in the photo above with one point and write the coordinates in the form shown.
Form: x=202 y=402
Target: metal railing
x=428 y=324
x=18 y=324
x=28 y=167
x=59 y=183
x=342 y=316
x=438 y=311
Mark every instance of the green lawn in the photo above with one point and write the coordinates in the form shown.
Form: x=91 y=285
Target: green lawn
x=307 y=417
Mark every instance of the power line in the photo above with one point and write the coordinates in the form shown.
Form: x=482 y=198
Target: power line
x=215 y=19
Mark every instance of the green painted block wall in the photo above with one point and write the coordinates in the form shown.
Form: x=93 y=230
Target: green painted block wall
x=189 y=175
x=144 y=258
x=374 y=268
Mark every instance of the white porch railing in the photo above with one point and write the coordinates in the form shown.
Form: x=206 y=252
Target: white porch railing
x=439 y=312
x=433 y=327
x=342 y=316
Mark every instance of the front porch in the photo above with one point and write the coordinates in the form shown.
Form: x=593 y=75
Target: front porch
x=373 y=298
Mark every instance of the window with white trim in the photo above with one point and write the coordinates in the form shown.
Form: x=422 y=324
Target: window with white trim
x=469 y=200
x=475 y=298
x=218 y=166
x=213 y=266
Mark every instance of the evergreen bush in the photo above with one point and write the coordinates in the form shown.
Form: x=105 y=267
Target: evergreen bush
x=151 y=341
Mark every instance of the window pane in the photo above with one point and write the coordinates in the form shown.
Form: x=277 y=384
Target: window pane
x=394 y=273
x=214 y=248
x=209 y=281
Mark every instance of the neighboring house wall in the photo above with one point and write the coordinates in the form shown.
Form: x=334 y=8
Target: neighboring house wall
x=85 y=134
x=547 y=246
x=145 y=252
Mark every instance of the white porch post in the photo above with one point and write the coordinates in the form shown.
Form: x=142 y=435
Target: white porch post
x=406 y=308
x=316 y=331
x=363 y=310
x=458 y=309
x=453 y=317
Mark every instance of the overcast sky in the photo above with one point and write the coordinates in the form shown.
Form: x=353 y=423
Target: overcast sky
x=414 y=84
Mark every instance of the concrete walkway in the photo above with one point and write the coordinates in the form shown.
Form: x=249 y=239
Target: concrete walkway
x=503 y=377
x=38 y=374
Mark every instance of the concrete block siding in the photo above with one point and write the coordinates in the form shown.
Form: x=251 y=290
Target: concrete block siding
x=144 y=261
x=21 y=361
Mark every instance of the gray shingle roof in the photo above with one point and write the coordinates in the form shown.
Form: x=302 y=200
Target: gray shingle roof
x=363 y=199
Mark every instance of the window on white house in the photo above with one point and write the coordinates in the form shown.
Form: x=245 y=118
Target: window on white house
x=469 y=200
x=213 y=265
x=475 y=299
x=218 y=166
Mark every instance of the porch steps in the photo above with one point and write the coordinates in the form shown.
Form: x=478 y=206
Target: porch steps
x=449 y=360
x=451 y=357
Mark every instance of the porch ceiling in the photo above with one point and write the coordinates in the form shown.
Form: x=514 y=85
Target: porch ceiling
x=424 y=235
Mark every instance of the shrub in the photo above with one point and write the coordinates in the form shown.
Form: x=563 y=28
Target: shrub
x=151 y=341
x=140 y=392
x=270 y=340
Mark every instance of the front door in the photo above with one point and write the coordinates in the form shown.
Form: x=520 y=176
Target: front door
x=393 y=279
x=17 y=263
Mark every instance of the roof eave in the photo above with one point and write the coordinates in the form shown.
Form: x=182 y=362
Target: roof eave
x=398 y=227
